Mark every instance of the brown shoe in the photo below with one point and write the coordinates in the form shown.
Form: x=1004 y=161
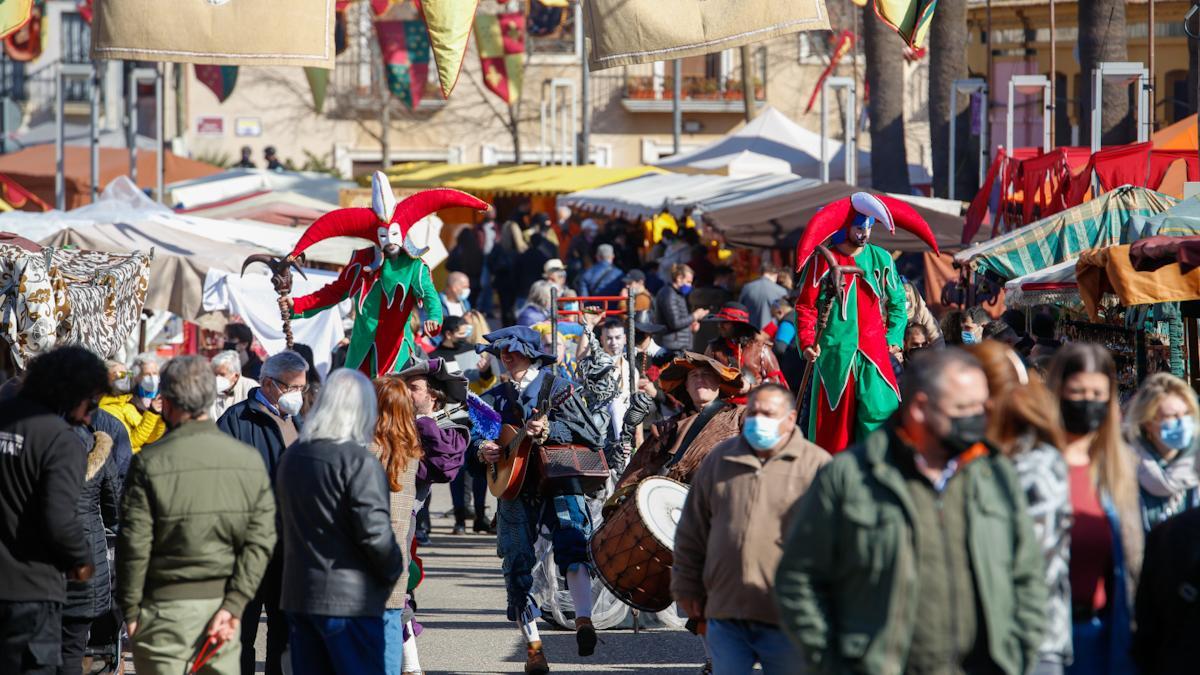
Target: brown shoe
x=535 y=659
x=585 y=636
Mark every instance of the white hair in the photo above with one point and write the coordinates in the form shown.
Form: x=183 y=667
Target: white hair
x=144 y=358
x=279 y=366
x=345 y=411
x=227 y=359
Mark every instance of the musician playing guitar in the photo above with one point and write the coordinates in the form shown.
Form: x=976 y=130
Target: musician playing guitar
x=550 y=413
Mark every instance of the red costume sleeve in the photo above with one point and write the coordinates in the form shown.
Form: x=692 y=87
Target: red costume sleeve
x=806 y=303
x=331 y=294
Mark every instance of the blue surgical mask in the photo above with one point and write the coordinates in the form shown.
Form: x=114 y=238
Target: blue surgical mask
x=464 y=296
x=968 y=338
x=469 y=331
x=571 y=306
x=1178 y=433
x=685 y=289
x=762 y=433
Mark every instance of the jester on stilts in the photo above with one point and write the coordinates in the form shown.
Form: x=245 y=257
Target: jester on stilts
x=385 y=280
x=854 y=390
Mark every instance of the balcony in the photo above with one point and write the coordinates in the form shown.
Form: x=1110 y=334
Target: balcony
x=699 y=94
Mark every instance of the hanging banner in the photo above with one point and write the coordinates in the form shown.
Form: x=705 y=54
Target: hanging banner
x=500 y=39
x=405 y=49
x=449 y=23
x=292 y=33
x=14 y=14
x=625 y=32
x=219 y=79
x=318 y=83
x=909 y=18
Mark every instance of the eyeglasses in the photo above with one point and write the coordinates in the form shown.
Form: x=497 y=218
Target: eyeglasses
x=289 y=388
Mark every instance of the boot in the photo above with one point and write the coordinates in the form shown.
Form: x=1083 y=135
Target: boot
x=482 y=522
x=535 y=659
x=585 y=636
x=460 y=520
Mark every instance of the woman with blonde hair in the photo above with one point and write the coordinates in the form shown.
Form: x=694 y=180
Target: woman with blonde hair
x=1161 y=428
x=1024 y=424
x=398 y=447
x=1106 y=535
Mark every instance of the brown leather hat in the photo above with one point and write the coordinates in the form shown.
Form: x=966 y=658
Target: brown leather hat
x=675 y=374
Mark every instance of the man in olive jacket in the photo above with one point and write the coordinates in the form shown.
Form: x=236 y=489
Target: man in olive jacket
x=914 y=552
x=197 y=530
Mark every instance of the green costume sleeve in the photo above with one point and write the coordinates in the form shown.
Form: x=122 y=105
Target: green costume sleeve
x=429 y=295
x=897 y=304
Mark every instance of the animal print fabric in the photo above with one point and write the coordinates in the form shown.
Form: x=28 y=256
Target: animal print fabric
x=61 y=296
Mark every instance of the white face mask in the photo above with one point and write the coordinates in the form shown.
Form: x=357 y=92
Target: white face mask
x=149 y=383
x=290 y=403
x=123 y=384
x=223 y=384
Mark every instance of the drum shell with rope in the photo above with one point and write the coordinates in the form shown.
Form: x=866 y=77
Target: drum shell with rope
x=632 y=551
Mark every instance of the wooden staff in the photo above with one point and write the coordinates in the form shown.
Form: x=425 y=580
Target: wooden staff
x=281 y=279
x=834 y=286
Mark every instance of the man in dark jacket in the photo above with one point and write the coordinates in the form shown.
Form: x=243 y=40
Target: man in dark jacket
x=340 y=555
x=41 y=471
x=197 y=530
x=914 y=552
x=269 y=420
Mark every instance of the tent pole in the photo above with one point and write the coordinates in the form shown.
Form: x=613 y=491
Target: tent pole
x=676 y=103
x=1052 y=106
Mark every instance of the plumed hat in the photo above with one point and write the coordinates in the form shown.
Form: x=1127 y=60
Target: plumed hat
x=364 y=223
x=453 y=385
x=521 y=339
x=837 y=216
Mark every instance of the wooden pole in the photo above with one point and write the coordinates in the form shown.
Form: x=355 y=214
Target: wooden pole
x=1150 y=58
x=748 y=81
x=1052 y=105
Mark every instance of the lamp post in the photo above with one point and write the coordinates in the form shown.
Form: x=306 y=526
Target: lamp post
x=848 y=144
x=967 y=87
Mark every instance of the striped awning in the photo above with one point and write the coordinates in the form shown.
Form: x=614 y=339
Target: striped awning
x=1101 y=222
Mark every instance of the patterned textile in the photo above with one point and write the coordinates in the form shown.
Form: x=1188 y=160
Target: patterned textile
x=81 y=297
x=909 y=18
x=501 y=42
x=520 y=523
x=219 y=79
x=405 y=47
x=1104 y=221
x=1043 y=476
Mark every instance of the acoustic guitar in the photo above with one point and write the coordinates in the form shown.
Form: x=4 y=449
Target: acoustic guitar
x=506 y=476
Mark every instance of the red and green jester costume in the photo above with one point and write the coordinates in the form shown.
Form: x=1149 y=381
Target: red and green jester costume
x=854 y=389
x=385 y=280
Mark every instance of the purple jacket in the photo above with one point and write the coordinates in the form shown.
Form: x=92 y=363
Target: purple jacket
x=445 y=451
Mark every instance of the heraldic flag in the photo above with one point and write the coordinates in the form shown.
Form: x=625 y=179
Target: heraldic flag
x=405 y=48
x=220 y=79
x=501 y=42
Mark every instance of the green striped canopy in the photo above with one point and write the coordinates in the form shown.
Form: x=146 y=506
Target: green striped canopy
x=1104 y=221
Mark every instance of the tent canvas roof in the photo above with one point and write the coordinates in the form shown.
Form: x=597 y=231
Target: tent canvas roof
x=34 y=168
x=232 y=183
x=647 y=196
x=774 y=218
x=278 y=208
x=512 y=179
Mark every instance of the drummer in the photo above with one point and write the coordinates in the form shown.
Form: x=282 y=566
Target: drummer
x=675 y=447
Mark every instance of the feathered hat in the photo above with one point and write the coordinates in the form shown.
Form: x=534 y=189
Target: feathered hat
x=840 y=215
x=386 y=221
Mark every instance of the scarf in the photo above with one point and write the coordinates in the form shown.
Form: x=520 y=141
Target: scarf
x=1167 y=480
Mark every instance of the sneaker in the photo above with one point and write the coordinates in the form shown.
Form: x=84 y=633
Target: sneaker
x=459 y=528
x=585 y=636
x=422 y=537
x=707 y=669
x=535 y=660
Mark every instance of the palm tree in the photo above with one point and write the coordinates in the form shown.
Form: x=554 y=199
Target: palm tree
x=947 y=63
x=885 y=79
x=1102 y=38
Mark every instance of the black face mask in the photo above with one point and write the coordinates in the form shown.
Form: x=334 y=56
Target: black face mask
x=229 y=346
x=965 y=432
x=1083 y=417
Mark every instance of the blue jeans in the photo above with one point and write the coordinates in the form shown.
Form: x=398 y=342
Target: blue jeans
x=345 y=645
x=737 y=645
x=393 y=641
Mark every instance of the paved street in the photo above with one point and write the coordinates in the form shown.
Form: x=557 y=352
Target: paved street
x=462 y=609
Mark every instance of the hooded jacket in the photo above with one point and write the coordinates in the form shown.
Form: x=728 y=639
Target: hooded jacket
x=97 y=512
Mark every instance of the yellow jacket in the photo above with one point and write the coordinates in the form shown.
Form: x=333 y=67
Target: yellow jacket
x=143 y=428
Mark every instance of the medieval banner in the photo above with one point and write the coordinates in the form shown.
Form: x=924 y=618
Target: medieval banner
x=501 y=42
x=235 y=32
x=405 y=49
x=625 y=32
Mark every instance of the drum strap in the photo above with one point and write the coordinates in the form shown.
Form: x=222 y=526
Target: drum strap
x=710 y=411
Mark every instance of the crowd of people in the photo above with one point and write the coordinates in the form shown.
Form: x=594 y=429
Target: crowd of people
x=961 y=496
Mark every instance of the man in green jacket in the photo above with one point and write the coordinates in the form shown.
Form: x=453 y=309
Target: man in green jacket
x=197 y=530
x=913 y=552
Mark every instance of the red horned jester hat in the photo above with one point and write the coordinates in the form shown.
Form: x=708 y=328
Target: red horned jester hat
x=861 y=208
x=386 y=224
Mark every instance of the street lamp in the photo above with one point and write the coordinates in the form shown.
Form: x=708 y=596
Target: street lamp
x=848 y=145
x=1123 y=73
x=1028 y=85
x=968 y=87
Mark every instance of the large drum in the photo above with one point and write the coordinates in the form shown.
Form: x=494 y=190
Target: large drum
x=632 y=550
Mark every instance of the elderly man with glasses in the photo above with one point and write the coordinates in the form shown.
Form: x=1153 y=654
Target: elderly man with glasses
x=269 y=419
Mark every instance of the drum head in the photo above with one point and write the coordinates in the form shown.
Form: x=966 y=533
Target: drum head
x=660 y=504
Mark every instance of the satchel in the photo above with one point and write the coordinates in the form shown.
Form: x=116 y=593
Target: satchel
x=570 y=467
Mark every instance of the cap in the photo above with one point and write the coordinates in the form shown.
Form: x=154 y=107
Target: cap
x=553 y=265
x=589 y=225
x=634 y=275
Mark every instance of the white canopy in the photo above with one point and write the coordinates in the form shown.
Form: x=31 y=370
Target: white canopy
x=773 y=143
x=233 y=183
x=647 y=196
x=1054 y=285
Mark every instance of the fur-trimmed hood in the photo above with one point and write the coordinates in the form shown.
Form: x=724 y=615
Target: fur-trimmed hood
x=102 y=445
